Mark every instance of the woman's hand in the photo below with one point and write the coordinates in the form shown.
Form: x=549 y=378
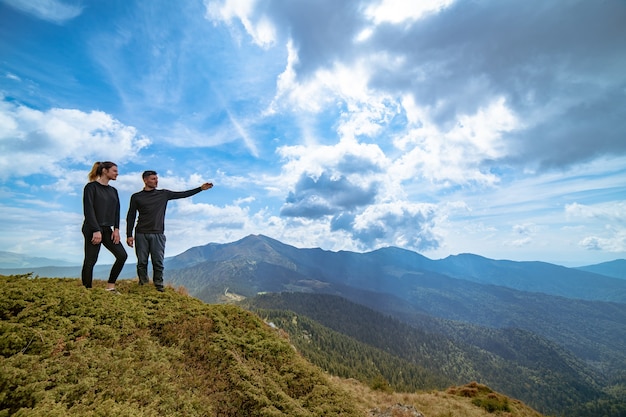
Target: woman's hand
x=96 y=238
x=115 y=236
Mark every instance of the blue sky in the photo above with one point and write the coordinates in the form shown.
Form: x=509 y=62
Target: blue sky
x=495 y=127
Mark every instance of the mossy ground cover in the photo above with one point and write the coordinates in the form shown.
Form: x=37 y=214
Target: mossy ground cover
x=69 y=351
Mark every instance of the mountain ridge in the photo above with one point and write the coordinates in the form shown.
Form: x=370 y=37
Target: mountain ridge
x=13 y=263
x=530 y=276
x=615 y=268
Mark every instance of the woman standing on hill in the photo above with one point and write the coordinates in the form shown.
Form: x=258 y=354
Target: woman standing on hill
x=101 y=205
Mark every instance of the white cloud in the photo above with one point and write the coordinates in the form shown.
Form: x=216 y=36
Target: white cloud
x=34 y=141
x=347 y=157
x=449 y=154
x=611 y=213
x=309 y=96
x=13 y=77
x=453 y=156
x=521 y=242
x=341 y=85
x=524 y=229
x=398 y=11
x=262 y=30
x=54 y=11
x=608 y=222
x=614 y=244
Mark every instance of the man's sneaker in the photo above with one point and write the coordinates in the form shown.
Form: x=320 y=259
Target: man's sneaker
x=160 y=289
x=113 y=291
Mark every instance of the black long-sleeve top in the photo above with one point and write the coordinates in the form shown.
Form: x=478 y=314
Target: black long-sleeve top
x=151 y=206
x=101 y=206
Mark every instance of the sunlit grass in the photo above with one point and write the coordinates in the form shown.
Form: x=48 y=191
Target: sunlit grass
x=69 y=351
x=451 y=403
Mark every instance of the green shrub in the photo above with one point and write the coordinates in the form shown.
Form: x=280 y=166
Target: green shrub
x=492 y=404
x=69 y=351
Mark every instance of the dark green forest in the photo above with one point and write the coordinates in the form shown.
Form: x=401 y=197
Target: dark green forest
x=332 y=332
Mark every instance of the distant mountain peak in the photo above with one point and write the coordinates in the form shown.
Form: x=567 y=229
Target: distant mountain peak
x=18 y=260
x=615 y=269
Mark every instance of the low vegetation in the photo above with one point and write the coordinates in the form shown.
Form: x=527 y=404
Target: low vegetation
x=452 y=402
x=69 y=351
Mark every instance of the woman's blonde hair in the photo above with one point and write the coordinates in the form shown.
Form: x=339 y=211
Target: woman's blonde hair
x=96 y=169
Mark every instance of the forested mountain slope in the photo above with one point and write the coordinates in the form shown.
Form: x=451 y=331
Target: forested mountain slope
x=518 y=363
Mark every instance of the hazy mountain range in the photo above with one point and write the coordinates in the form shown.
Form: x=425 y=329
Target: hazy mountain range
x=10 y=260
x=526 y=276
x=552 y=336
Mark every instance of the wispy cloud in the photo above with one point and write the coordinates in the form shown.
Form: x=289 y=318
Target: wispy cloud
x=54 y=11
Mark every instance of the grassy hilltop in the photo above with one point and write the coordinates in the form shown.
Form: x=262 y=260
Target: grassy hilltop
x=69 y=351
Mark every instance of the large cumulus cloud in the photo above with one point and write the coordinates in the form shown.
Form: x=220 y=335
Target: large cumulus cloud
x=34 y=141
x=559 y=67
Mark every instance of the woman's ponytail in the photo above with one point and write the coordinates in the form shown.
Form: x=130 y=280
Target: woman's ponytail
x=96 y=169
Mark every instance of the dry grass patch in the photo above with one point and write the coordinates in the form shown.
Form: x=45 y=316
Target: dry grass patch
x=455 y=402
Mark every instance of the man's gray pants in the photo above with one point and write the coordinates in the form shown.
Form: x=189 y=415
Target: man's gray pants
x=150 y=245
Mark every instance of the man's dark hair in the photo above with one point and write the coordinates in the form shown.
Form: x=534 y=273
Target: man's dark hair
x=146 y=174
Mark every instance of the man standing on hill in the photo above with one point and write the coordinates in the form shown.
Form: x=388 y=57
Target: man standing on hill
x=149 y=233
